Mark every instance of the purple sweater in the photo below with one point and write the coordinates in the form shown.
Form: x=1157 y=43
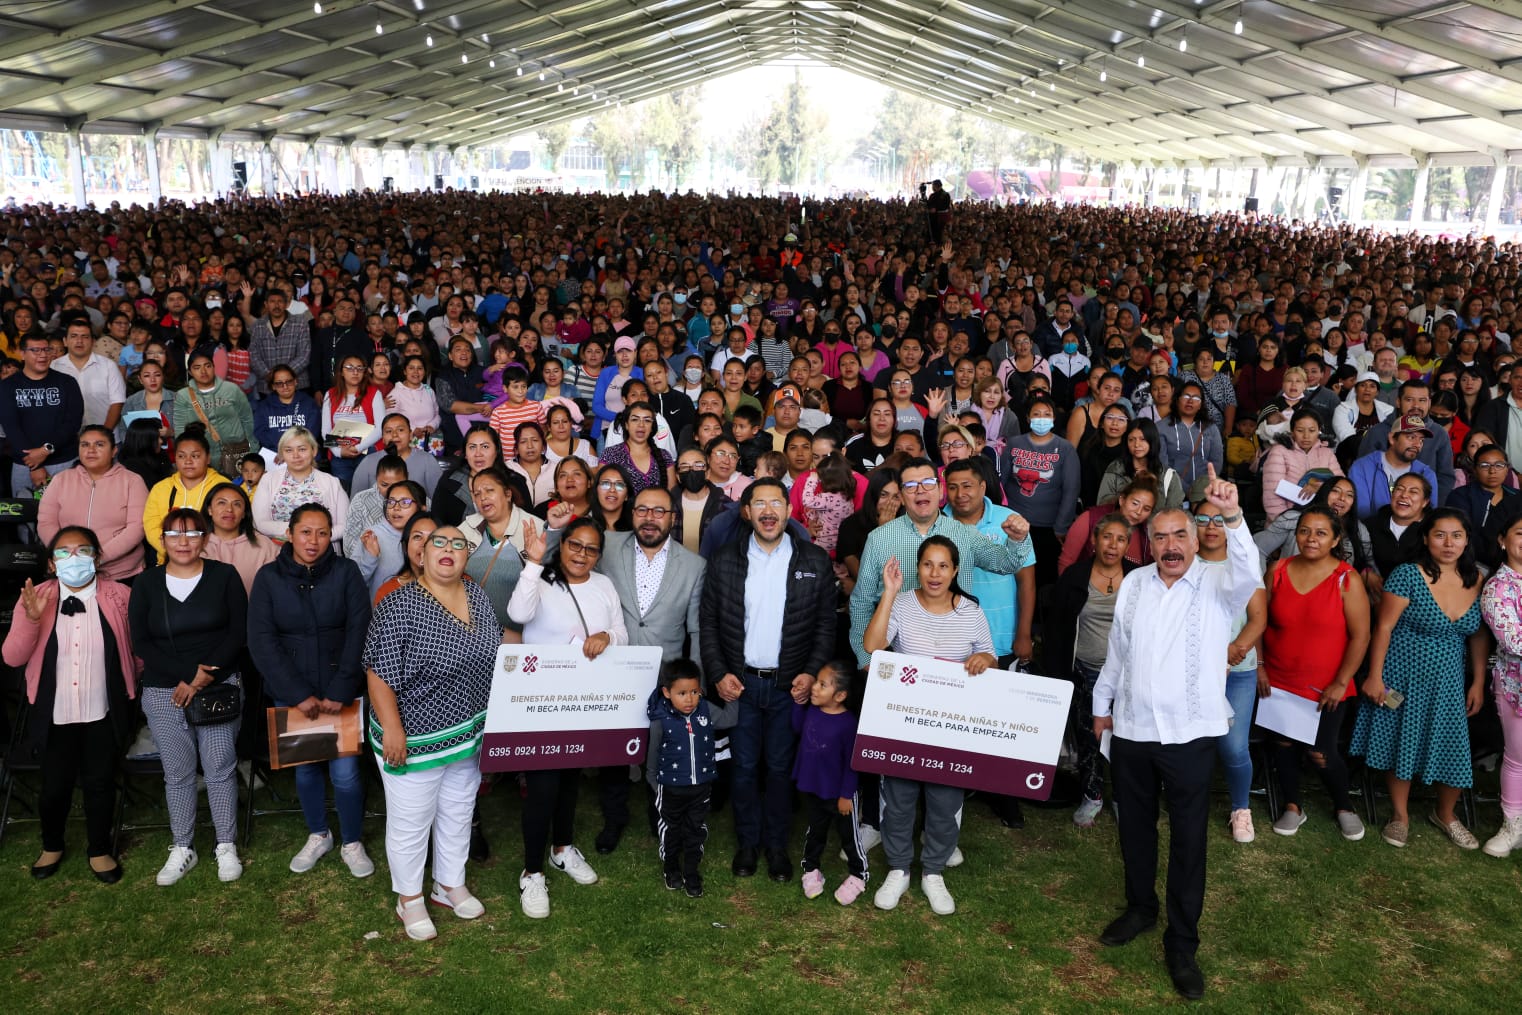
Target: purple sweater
x=825 y=745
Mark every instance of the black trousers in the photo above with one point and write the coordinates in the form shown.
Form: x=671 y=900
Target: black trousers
x=683 y=828
x=1141 y=773
x=86 y=754
x=613 y=794
x=1333 y=768
x=823 y=815
x=549 y=813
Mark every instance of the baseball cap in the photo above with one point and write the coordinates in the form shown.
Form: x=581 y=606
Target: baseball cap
x=1412 y=423
x=1366 y=375
x=787 y=391
x=624 y=343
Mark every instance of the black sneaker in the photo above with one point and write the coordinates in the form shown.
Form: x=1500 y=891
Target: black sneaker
x=673 y=880
x=695 y=889
x=744 y=865
x=607 y=839
x=778 y=867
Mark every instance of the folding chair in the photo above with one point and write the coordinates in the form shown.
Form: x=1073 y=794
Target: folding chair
x=254 y=751
x=23 y=758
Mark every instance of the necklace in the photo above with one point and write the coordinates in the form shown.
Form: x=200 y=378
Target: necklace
x=1109 y=579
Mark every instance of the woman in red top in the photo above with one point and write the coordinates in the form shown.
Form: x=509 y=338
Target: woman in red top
x=1306 y=653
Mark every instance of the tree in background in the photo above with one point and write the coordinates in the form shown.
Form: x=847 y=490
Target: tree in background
x=671 y=130
x=556 y=138
x=613 y=133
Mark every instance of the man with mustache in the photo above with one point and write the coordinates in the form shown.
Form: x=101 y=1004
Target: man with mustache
x=1162 y=694
x=659 y=585
x=767 y=624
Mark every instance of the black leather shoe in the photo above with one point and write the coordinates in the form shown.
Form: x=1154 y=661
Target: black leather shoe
x=43 y=871
x=745 y=862
x=607 y=839
x=108 y=877
x=1186 y=975
x=778 y=867
x=1126 y=927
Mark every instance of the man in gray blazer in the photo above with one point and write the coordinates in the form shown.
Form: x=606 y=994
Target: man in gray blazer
x=659 y=583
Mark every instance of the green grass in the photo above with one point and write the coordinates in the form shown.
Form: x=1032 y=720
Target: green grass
x=1309 y=924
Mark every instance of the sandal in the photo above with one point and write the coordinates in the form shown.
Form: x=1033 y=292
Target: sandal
x=1456 y=832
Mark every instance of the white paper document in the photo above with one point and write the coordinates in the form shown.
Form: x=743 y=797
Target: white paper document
x=1289 y=715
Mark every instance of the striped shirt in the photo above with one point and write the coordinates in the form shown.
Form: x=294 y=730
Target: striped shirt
x=506 y=418
x=914 y=630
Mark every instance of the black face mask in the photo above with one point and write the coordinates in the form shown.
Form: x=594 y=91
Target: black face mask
x=692 y=482
x=1116 y=353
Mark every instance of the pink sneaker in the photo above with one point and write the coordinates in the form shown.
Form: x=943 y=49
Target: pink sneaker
x=813 y=884
x=849 y=889
x=1241 y=826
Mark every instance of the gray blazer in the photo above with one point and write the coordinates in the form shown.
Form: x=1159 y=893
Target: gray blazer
x=673 y=615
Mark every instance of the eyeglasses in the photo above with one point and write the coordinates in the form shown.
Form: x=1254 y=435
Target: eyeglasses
x=911 y=485
x=353 y=368
x=653 y=512
x=723 y=453
x=289 y=382
x=183 y=534
x=641 y=419
x=902 y=384
x=953 y=445
x=65 y=552
x=1189 y=398
x=775 y=505
x=609 y=484
x=402 y=502
x=576 y=546
x=1219 y=521
x=1492 y=466
x=449 y=542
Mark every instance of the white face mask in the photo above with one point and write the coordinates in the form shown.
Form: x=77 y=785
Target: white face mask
x=693 y=374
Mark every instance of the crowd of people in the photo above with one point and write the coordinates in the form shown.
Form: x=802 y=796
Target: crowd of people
x=305 y=450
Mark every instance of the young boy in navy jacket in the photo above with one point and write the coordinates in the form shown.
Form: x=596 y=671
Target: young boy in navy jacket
x=827 y=738
x=684 y=772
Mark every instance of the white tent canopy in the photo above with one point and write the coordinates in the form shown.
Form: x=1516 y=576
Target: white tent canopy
x=1261 y=82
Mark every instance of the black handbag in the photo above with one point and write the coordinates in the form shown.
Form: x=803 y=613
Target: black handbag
x=215 y=704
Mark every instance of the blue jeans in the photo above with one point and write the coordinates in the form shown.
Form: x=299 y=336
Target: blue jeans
x=763 y=736
x=1242 y=696
x=348 y=796
x=343 y=469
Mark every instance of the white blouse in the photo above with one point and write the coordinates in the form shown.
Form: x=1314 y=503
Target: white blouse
x=549 y=614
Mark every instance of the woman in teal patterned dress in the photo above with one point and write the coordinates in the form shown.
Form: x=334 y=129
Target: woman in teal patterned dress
x=1428 y=616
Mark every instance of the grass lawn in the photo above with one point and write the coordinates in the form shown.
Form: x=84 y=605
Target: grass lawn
x=1308 y=924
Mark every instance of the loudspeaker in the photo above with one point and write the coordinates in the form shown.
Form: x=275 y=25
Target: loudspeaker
x=1334 y=196
x=388 y=184
x=240 y=175
x=438 y=183
x=475 y=183
x=1250 y=205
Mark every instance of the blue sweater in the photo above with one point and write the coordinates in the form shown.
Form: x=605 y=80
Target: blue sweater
x=685 y=754
x=825 y=745
x=273 y=417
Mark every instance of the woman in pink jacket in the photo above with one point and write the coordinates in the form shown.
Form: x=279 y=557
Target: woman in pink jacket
x=1287 y=463
x=102 y=496
x=72 y=637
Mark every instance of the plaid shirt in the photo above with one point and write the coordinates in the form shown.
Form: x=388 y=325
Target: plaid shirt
x=900 y=538
x=292 y=347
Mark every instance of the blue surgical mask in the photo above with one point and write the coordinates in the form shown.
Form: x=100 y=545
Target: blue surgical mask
x=737 y=309
x=1070 y=347
x=679 y=298
x=75 y=571
x=1042 y=425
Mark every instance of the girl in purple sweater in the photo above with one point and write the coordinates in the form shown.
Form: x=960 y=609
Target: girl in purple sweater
x=826 y=735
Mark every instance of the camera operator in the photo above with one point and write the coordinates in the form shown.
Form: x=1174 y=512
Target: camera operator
x=938 y=210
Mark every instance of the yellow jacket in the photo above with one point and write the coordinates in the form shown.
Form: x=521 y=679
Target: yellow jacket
x=171 y=493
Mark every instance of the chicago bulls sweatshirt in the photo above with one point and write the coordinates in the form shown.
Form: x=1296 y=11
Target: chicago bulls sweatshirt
x=1041 y=481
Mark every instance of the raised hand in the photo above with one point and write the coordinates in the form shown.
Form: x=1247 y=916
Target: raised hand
x=1221 y=493
x=533 y=543
x=34 y=601
x=893 y=578
x=936 y=400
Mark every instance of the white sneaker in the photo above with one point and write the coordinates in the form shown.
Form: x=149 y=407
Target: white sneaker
x=316 y=848
x=359 y=862
x=1085 y=814
x=534 y=896
x=229 y=867
x=1507 y=839
x=870 y=837
x=570 y=861
x=181 y=859
x=941 y=902
x=465 y=905
x=956 y=858
x=415 y=919
x=893 y=888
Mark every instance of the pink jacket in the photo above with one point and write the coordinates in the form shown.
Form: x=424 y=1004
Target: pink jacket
x=111 y=507
x=1290 y=463
x=27 y=641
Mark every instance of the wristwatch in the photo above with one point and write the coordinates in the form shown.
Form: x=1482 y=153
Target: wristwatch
x=49 y=448
x=1232 y=519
